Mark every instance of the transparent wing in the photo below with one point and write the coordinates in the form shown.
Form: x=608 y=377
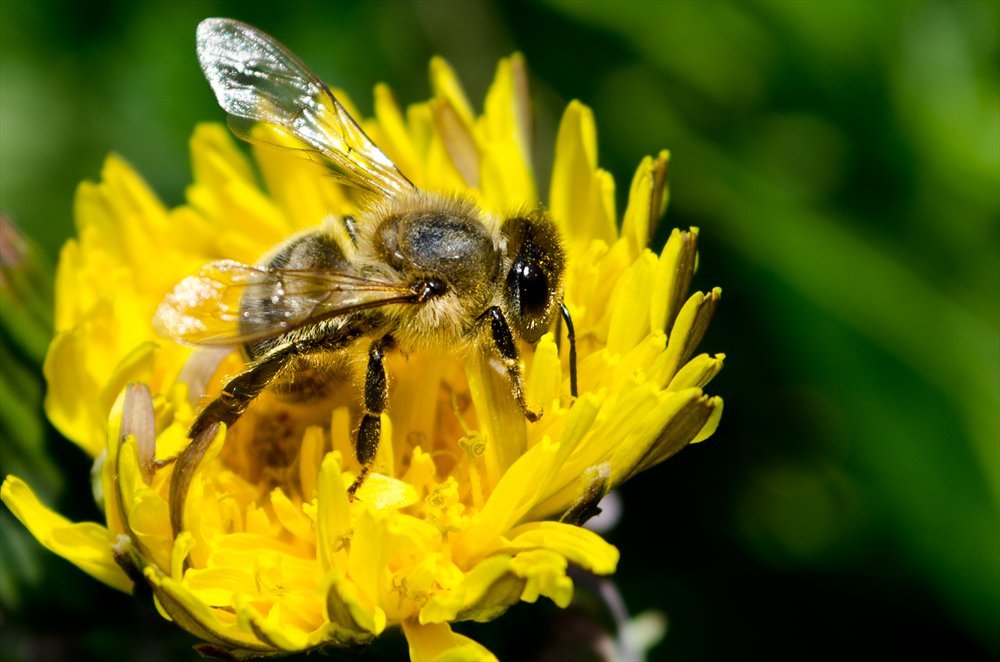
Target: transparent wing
x=272 y=97
x=230 y=303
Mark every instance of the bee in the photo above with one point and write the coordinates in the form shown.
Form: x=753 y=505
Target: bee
x=419 y=269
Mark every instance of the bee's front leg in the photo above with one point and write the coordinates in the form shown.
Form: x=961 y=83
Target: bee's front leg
x=376 y=402
x=503 y=340
x=571 y=337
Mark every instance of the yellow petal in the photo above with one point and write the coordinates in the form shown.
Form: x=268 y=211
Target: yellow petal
x=146 y=513
x=215 y=159
x=646 y=201
x=543 y=388
x=216 y=587
x=368 y=556
x=310 y=459
x=629 y=305
x=458 y=140
x=507 y=189
x=306 y=200
x=672 y=277
x=599 y=279
x=581 y=197
x=504 y=130
x=395 y=139
x=485 y=592
x=381 y=492
x=635 y=364
x=183 y=544
x=292 y=517
x=137 y=366
x=437 y=643
x=686 y=333
x=712 y=424
x=67 y=309
x=350 y=609
x=446 y=85
x=76 y=417
x=697 y=372
x=517 y=492
x=594 y=485
x=544 y=573
x=187 y=610
x=197 y=512
x=507 y=115
x=676 y=422
x=440 y=173
x=270 y=628
x=333 y=519
x=500 y=420
x=120 y=216
x=580 y=546
x=86 y=545
x=581 y=417
x=246 y=220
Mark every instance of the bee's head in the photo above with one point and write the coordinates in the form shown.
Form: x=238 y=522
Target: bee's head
x=533 y=286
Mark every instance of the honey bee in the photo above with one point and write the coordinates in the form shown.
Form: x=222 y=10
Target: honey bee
x=411 y=270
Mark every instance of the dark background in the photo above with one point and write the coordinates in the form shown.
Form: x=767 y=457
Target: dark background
x=841 y=160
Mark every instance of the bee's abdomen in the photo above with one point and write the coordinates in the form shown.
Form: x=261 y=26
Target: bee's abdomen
x=271 y=301
x=314 y=379
x=314 y=250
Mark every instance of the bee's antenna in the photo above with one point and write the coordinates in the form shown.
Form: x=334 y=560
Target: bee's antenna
x=571 y=335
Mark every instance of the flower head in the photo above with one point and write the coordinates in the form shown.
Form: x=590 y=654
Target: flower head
x=469 y=508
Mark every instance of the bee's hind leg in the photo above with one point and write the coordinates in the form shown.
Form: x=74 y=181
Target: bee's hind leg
x=376 y=401
x=236 y=396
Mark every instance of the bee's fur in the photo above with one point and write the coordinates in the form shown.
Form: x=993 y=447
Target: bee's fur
x=414 y=270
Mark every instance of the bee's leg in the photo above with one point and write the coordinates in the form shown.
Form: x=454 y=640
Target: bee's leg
x=571 y=336
x=236 y=396
x=351 y=225
x=376 y=401
x=504 y=342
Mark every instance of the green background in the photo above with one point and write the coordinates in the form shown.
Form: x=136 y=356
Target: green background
x=841 y=160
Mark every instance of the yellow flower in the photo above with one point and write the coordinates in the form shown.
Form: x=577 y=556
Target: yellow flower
x=469 y=508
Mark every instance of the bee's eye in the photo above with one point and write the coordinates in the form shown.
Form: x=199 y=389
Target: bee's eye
x=527 y=279
x=534 y=282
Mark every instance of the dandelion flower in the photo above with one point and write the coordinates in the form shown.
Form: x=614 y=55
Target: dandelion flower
x=469 y=508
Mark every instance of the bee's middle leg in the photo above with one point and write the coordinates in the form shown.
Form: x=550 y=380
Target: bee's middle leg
x=376 y=402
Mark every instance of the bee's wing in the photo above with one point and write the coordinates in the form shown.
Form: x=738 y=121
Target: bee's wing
x=229 y=303
x=272 y=97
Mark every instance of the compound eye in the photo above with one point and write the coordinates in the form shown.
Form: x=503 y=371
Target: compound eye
x=532 y=288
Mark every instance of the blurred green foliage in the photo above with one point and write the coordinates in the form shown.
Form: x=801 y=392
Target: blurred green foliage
x=842 y=160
